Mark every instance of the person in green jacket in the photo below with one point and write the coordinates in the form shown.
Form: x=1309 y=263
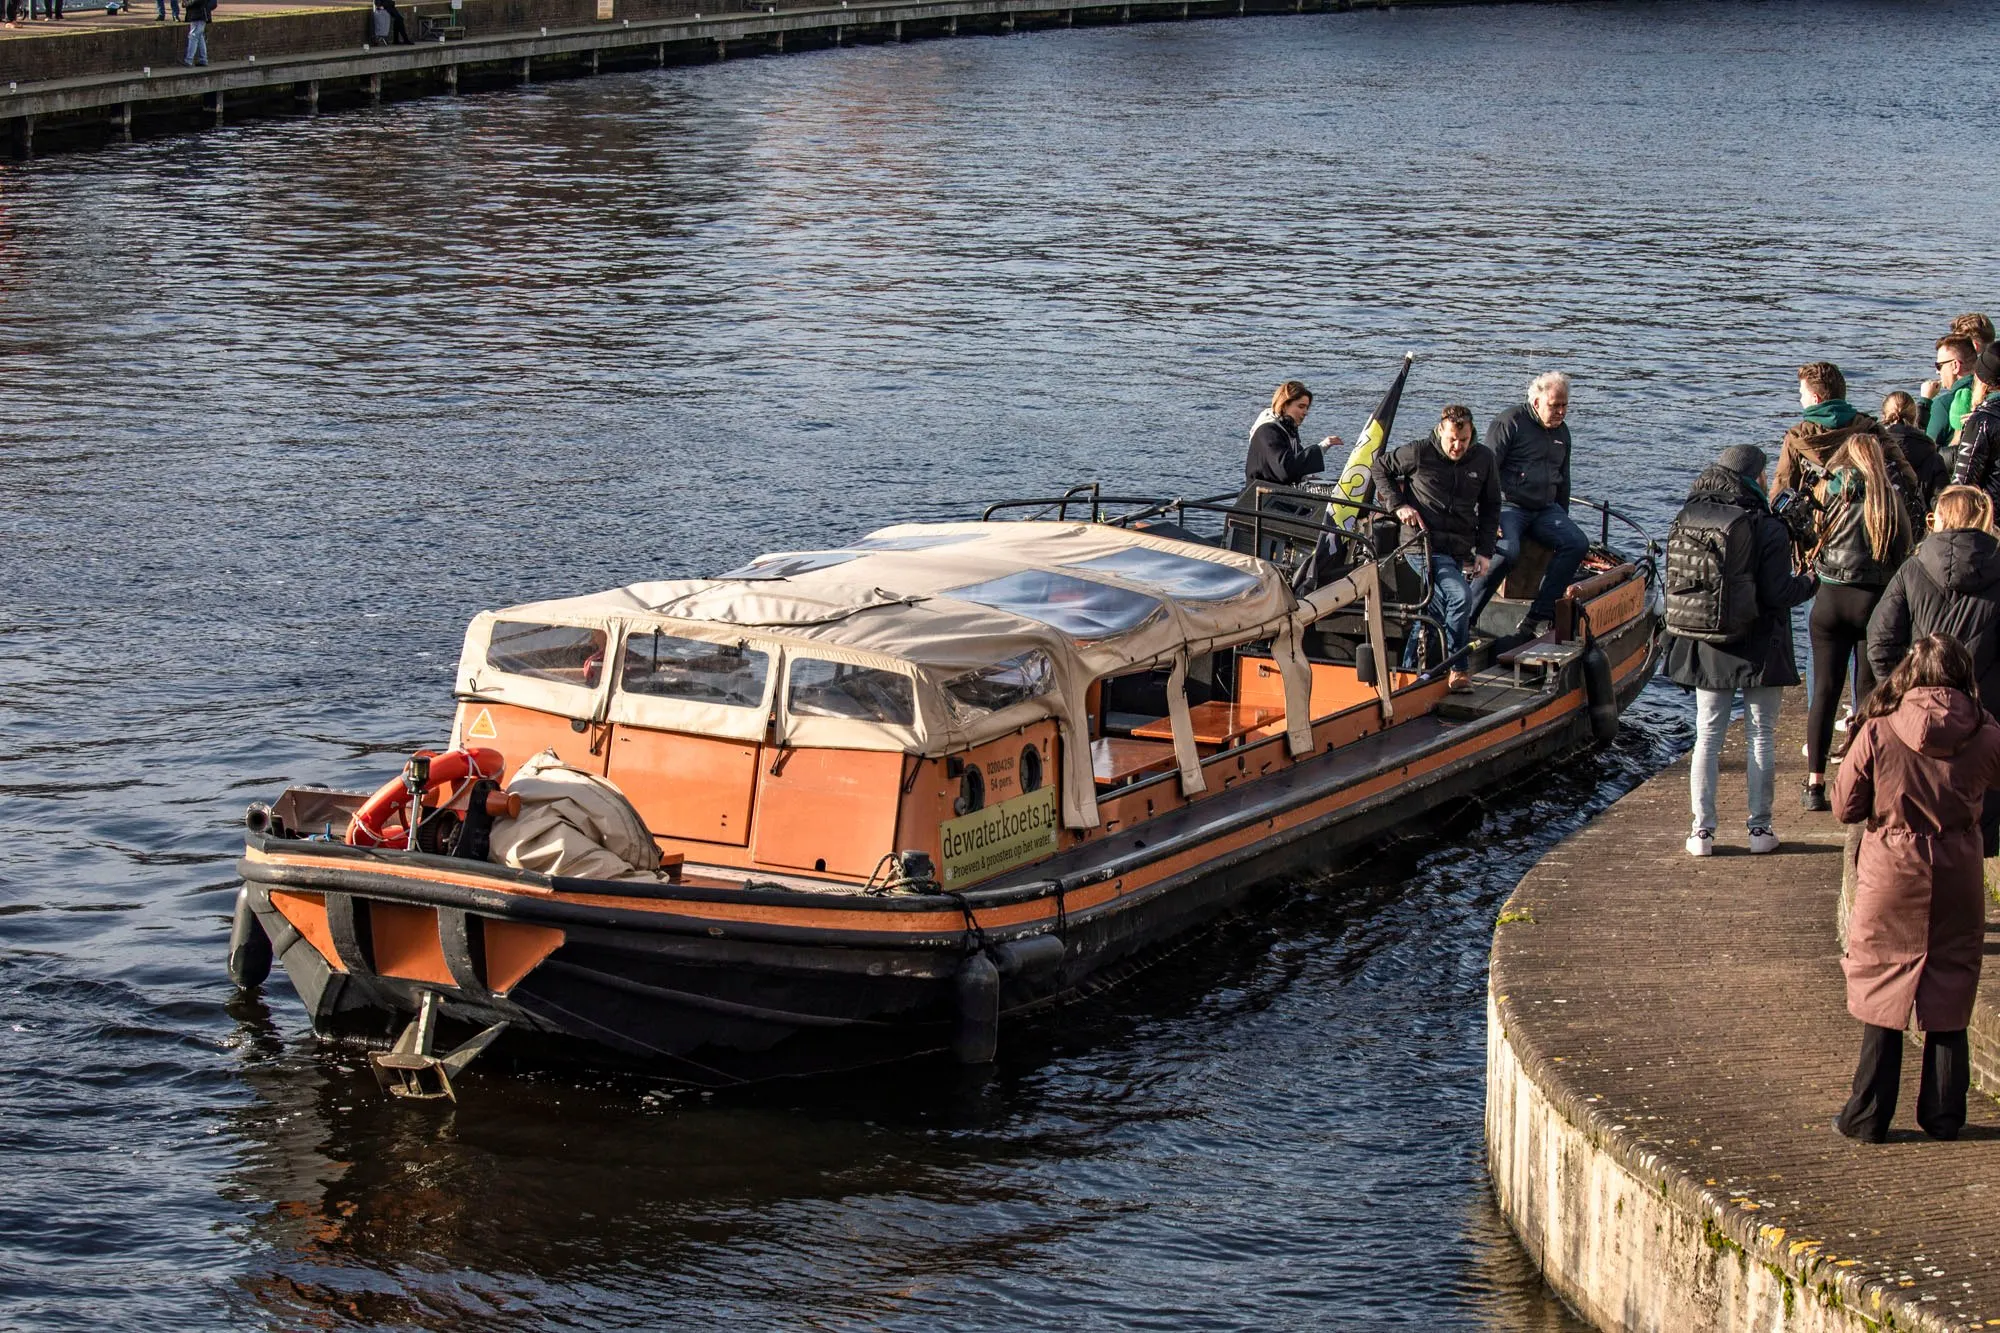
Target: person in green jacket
x=1944 y=401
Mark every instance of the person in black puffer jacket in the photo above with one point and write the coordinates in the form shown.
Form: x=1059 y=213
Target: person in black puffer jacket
x=1979 y=434
x=1759 y=662
x=1864 y=535
x=1276 y=453
x=1951 y=585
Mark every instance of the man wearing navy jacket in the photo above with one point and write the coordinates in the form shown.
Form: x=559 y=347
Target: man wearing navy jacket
x=1530 y=443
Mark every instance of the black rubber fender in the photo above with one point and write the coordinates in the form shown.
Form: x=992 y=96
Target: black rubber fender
x=1601 y=695
x=249 y=946
x=977 y=1035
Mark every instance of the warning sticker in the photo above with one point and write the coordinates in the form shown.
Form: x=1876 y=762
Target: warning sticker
x=482 y=727
x=1000 y=837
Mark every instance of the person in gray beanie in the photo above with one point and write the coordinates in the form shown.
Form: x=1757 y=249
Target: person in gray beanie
x=1730 y=594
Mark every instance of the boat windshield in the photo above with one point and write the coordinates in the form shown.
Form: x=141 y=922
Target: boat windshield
x=1179 y=576
x=1079 y=608
x=1020 y=678
x=670 y=667
x=820 y=688
x=569 y=654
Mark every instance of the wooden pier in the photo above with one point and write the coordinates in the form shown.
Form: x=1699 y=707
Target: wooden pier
x=1668 y=1043
x=95 y=104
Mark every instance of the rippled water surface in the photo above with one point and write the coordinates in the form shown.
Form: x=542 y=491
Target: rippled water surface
x=284 y=404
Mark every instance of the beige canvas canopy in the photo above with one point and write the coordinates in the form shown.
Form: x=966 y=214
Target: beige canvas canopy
x=961 y=632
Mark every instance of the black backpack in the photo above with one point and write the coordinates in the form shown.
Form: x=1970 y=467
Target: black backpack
x=1712 y=572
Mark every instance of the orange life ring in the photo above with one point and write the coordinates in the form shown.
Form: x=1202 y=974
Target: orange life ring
x=371 y=827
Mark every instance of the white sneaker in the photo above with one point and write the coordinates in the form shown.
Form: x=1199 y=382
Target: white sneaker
x=1701 y=842
x=1762 y=840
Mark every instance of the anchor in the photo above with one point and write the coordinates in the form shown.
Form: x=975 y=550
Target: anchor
x=409 y=1069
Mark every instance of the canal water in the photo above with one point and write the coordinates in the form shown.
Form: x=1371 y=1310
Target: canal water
x=285 y=404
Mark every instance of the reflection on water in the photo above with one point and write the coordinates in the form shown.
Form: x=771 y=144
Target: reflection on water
x=287 y=403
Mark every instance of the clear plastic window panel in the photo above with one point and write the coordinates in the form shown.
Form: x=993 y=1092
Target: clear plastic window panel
x=1079 y=608
x=1026 y=676
x=570 y=654
x=666 y=666
x=787 y=564
x=838 y=689
x=1186 y=578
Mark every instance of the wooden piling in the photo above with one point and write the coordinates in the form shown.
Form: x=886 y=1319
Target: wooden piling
x=123 y=120
x=218 y=108
x=721 y=49
x=594 y=62
x=374 y=90
x=527 y=71
x=24 y=136
x=451 y=79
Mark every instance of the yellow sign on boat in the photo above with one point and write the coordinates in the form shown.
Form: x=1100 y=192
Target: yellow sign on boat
x=482 y=727
x=1000 y=837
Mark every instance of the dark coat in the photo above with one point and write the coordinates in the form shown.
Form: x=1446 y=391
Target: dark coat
x=1950 y=586
x=1533 y=460
x=1764 y=655
x=1979 y=448
x=1933 y=474
x=1459 y=501
x=1918 y=778
x=1276 y=454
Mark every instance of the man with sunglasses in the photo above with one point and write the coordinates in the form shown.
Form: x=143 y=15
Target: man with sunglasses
x=1944 y=401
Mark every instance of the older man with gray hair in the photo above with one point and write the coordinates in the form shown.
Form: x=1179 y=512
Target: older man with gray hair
x=1531 y=444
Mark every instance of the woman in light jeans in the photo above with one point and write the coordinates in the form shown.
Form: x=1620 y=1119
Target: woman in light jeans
x=1756 y=666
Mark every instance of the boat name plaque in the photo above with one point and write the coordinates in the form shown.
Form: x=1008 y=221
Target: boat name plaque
x=998 y=838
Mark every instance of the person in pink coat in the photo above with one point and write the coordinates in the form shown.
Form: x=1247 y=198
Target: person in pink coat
x=1917 y=773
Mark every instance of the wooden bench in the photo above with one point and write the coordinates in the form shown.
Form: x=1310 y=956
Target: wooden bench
x=439 y=23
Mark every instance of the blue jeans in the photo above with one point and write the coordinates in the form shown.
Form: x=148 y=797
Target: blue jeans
x=197 y=43
x=163 y=11
x=1451 y=603
x=1553 y=528
x=1760 y=725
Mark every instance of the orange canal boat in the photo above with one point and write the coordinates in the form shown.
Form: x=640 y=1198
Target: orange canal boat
x=854 y=805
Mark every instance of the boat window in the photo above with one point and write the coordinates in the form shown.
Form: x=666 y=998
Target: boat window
x=570 y=654
x=1079 y=608
x=1028 y=675
x=787 y=564
x=837 y=689
x=1185 y=577
x=669 y=667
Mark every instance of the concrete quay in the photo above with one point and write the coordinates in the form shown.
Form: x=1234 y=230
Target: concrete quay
x=82 y=82
x=1667 y=1043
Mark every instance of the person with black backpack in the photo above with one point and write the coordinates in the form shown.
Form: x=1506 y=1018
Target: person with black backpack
x=1730 y=594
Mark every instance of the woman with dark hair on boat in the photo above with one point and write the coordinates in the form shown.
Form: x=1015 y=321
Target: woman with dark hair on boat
x=1276 y=454
x=1921 y=764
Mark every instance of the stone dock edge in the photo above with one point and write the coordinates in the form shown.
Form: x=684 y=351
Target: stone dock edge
x=1631 y=1241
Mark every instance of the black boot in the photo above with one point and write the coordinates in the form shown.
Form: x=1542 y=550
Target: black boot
x=1812 y=795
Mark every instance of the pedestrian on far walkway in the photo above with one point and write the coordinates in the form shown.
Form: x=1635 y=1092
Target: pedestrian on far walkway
x=1730 y=594
x=1917 y=773
x=198 y=12
x=162 y=15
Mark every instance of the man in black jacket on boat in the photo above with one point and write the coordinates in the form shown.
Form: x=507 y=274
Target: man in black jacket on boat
x=1446 y=485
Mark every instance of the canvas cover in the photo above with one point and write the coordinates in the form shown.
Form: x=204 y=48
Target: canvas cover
x=573 y=823
x=932 y=603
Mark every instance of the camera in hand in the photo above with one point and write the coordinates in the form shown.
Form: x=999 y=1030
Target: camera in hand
x=1799 y=511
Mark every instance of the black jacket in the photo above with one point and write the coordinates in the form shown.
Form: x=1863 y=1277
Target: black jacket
x=1276 y=454
x=1534 y=460
x=1764 y=655
x=1921 y=451
x=1979 y=448
x=1950 y=586
x=1845 y=554
x=1458 y=501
